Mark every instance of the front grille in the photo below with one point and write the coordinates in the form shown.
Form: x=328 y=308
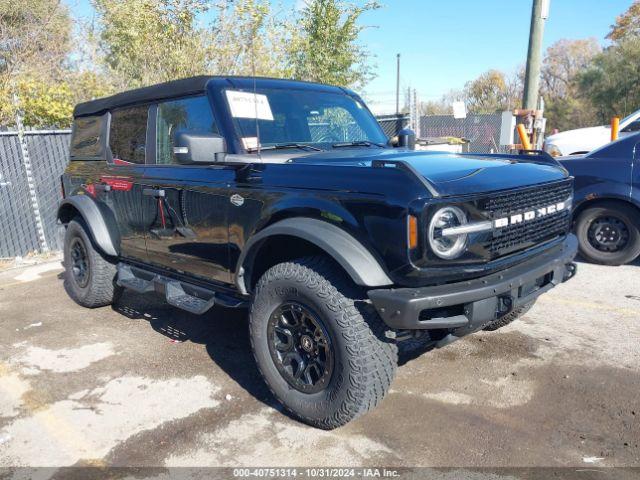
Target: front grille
x=529 y=198
x=523 y=235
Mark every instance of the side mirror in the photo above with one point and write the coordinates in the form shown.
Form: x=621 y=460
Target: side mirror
x=406 y=139
x=199 y=147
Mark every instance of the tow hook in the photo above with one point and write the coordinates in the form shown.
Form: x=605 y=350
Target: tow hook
x=505 y=305
x=570 y=271
x=402 y=335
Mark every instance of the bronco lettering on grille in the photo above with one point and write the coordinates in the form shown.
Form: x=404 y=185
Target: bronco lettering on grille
x=529 y=215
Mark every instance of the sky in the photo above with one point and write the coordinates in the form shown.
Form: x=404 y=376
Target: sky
x=445 y=43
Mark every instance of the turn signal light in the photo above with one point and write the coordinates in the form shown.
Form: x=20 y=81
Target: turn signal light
x=412 y=231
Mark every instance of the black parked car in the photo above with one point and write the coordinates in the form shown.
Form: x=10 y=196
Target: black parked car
x=287 y=198
x=607 y=201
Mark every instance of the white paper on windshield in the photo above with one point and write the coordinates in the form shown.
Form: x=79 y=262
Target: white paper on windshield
x=249 y=105
x=250 y=142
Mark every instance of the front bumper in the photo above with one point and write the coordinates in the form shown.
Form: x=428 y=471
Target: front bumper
x=468 y=306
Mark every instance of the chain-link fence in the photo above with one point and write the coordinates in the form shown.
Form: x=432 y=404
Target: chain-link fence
x=30 y=169
x=482 y=131
x=392 y=124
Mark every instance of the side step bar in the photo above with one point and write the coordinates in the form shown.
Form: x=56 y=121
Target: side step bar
x=183 y=295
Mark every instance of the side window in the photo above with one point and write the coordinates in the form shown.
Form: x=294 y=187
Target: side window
x=128 y=134
x=86 y=141
x=185 y=115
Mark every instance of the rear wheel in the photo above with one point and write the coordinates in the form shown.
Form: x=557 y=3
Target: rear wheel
x=319 y=346
x=609 y=233
x=89 y=276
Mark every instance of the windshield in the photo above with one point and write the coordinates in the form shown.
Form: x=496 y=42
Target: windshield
x=299 y=118
x=630 y=118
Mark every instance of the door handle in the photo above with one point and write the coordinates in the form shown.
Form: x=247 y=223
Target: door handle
x=153 y=192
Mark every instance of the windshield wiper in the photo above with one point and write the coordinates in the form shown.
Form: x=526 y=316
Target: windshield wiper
x=358 y=143
x=280 y=146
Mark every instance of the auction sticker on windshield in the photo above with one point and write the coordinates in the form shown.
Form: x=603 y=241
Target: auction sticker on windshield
x=250 y=142
x=249 y=105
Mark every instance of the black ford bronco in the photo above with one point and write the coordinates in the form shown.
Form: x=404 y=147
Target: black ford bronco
x=287 y=198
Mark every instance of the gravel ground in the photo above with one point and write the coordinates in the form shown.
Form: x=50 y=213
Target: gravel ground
x=143 y=384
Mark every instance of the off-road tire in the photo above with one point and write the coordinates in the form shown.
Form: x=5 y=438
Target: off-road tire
x=100 y=288
x=509 y=317
x=365 y=360
x=624 y=213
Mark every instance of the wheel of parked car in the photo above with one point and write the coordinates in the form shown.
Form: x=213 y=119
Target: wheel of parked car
x=320 y=349
x=609 y=233
x=88 y=276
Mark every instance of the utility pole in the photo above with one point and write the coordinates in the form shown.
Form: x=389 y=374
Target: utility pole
x=416 y=116
x=398 y=85
x=539 y=14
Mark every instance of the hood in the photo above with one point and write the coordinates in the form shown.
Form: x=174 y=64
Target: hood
x=450 y=174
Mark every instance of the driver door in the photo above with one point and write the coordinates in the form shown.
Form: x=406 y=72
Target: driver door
x=187 y=223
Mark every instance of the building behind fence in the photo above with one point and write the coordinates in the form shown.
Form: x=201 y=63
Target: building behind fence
x=31 y=165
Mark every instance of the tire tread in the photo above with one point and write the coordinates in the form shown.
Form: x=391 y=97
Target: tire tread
x=372 y=360
x=101 y=290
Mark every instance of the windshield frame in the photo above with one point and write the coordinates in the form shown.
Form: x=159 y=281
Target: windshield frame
x=323 y=146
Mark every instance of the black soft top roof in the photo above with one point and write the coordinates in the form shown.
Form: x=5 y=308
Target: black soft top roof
x=182 y=87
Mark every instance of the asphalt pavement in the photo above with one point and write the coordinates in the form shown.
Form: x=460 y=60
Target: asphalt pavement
x=144 y=384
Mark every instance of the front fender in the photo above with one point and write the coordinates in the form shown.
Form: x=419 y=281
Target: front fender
x=600 y=192
x=354 y=258
x=295 y=205
x=100 y=226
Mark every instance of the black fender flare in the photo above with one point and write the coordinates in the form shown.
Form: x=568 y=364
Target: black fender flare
x=106 y=238
x=355 y=258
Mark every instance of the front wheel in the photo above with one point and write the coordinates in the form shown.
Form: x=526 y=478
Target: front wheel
x=320 y=348
x=609 y=233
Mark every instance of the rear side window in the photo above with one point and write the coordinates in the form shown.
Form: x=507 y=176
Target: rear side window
x=87 y=141
x=191 y=115
x=128 y=134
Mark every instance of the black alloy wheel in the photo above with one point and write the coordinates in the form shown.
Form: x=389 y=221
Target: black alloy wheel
x=608 y=234
x=300 y=347
x=79 y=262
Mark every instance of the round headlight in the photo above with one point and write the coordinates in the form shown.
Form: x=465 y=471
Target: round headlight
x=449 y=245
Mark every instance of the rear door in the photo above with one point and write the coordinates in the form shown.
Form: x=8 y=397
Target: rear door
x=187 y=225
x=120 y=183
